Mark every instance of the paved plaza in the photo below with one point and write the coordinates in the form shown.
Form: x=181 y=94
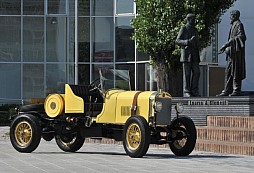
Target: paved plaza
x=98 y=158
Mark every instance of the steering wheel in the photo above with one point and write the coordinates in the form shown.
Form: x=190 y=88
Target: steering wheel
x=95 y=86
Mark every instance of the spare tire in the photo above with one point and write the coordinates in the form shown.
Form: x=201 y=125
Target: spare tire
x=54 y=105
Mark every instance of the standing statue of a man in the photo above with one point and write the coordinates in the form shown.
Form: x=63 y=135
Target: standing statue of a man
x=235 y=56
x=188 y=40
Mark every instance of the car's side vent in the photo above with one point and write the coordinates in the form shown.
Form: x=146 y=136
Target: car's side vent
x=126 y=111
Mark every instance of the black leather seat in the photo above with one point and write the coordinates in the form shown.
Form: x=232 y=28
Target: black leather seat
x=91 y=98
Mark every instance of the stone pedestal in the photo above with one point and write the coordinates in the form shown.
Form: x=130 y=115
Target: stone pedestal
x=198 y=108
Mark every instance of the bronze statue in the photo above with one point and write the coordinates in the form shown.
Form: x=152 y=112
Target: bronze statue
x=235 y=56
x=188 y=40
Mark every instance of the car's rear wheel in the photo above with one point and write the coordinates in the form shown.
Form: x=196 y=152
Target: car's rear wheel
x=184 y=136
x=136 y=136
x=70 y=142
x=25 y=133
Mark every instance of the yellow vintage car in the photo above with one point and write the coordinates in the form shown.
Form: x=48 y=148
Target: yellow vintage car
x=104 y=110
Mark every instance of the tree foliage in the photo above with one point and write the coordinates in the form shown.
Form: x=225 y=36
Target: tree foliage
x=158 y=23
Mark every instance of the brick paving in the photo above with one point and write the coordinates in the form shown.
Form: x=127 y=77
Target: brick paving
x=98 y=158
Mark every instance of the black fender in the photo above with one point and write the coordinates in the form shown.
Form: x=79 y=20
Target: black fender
x=33 y=108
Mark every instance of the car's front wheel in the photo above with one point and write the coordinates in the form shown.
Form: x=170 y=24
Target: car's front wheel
x=183 y=136
x=136 y=136
x=70 y=142
x=25 y=133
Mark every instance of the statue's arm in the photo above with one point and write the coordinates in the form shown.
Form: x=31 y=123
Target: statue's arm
x=241 y=32
x=180 y=38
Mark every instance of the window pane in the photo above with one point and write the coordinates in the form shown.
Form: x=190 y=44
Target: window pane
x=142 y=56
x=10 y=81
x=56 y=6
x=55 y=78
x=102 y=8
x=11 y=7
x=146 y=77
x=98 y=67
x=10 y=39
x=71 y=44
x=125 y=46
x=103 y=38
x=131 y=69
x=33 y=81
x=83 y=7
x=33 y=35
x=70 y=74
x=124 y=6
x=84 y=74
x=33 y=7
x=84 y=39
x=56 y=39
x=209 y=54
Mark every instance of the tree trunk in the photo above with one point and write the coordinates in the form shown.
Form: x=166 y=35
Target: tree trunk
x=162 y=75
x=169 y=80
x=175 y=82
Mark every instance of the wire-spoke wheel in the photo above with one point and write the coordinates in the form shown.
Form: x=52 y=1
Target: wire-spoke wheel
x=70 y=142
x=183 y=135
x=25 y=133
x=133 y=136
x=136 y=136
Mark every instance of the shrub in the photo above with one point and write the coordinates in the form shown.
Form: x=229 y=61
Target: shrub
x=6 y=111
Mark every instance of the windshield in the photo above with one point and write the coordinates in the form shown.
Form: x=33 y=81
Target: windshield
x=110 y=78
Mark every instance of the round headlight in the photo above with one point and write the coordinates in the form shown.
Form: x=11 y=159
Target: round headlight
x=179 y=107
x=158 y=106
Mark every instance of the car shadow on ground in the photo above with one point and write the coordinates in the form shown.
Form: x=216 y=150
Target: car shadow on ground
x=150 y=156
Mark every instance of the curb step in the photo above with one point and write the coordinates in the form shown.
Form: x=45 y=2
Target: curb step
x=225 y=147
x=227 y=134
x=231 y=121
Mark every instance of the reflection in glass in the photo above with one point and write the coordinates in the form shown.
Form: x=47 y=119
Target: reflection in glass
x=32 y=7
x=103 y=39
x=97 y=67
x=124 y=6
x=102 y=7
x=131 y=69
x=56 y=39
x=33 y=81
x=56 y=6
x=11 y=7
x=55 y=78
x=84 y=39
x=146 y=79
x=33 y=39
x=125 y=46
x=10 y=81
x=10 y=39
x=114 y=78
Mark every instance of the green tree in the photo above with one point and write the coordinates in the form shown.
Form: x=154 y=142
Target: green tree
x=157 y=25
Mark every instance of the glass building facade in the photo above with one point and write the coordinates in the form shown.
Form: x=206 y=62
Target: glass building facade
x=47 y=43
